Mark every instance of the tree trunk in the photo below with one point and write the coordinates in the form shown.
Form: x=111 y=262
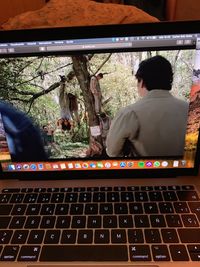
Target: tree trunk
x=83 y=77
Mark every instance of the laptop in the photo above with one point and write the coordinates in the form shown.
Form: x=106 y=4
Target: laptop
x=66 y=198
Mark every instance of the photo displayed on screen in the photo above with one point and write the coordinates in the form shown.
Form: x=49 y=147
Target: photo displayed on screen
x=105 y=105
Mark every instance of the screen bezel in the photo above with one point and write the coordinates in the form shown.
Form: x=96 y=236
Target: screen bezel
x=155 y=28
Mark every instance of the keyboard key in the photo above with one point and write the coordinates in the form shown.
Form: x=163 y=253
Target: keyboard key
x=187 y=187
x=44 y=198
x=140 y=253
x=179 y=253
x=52 y=237
x=85 y=237
x=17 y=222
x=135 y=208
x=152 y=235
x=150 y=208
x=63 y=221
x=127 y=197
x=169 y=196
x=141 y=221
x=4 y=198
x=71 y=197
x=126 y=221
x=194 y=251
x=187 y=195
x=113 y=196
x=30 y=198
x=141 y=196
x=133 y=188
x=106 y=188
x=36 y=237
x=109 y=221
x=48 y=222
x=84 y=253
x=118 y=236
x=47 y=209
x=85 y=197
x=5 y=209
x=190 y=220
x=29 y=253
x=19 y=210
x=33 y=209
x=91 y=209
x=106 y=208
x=32 y=222
x=5 y=236
x=120 y=208
x=181 y=207
x=94 y=222
x=160 y=253
x=173 y=221
x=174 y=187
x=169 y=236
x=166 y=207
x=68 y=237
x=99 y=197
x=160 y=188
x=190 y=235
x=11 y=190
x=101 y=237
x=155 y=196
x=19 y=237
x=17 y=198
x=57 y=198
x=78 y=222
x=9 y=253
x=76 y=209
x=146 y=188
x=61 y=209
x=195 y=208
x=157 y=221
x=4 y=222
x=135 y=236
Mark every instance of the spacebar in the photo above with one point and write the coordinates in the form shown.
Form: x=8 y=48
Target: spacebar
x=84 y=253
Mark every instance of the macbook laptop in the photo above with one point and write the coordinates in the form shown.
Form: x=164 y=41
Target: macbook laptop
x=78 y=186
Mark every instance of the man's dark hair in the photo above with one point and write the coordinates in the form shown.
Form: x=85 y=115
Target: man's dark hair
x=66 y=127
x=100 y=75
x=156 y=73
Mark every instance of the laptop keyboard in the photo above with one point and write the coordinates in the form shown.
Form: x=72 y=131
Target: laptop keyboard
x=135 y=223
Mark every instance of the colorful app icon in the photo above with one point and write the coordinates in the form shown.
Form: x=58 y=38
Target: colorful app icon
x=11 y=167
x=25 y=166
x=33 y=167
x=85 y=165
x=63 y=166
x=48 y=166
x=175 y=163
x=164 y=164
x=40 y=166
x=92 y=165
x=115 y=164
x=18 y=167
x=107 y=165
x=141 y=164
x=149 y=164
x=122 y=164
x=70 y=165
x=156 y=164
x=55 y=166
x=130 y=164
x=99 y=165
x=77 y=165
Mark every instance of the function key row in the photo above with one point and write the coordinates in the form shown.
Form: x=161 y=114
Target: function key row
x=95 y=189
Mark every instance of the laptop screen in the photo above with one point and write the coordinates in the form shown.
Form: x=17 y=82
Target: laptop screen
x=94 y=100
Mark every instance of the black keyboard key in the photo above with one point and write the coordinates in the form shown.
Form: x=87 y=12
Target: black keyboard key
x=52 y=237
x=63 y=221
x=78 y=222
x=17 y=222
x=20 y=237
x=190 y=235
x=5 y=209
x=71 y=197
x=11 y=190
x=76 y=209
x=106 y=208
x=9 y=253
x=152 y=235
x=194 y=251
x=113 y=197
x=68 y=237
x=26 y=190
x=85 y=237
x=84 y=253
x=150 y=208
x=66 y=189
x=160 y=188
x=155 y=196
x=173 y=221
x=136 y=208
x=120 y=208
x=141 y=221
x=101 y=237
x=17 y=198
x=79 y=189
x=5 y=236
x=109 y=222
x=52 y=190
x=126 y=221
x=146 y=188
x=40 y=190
x=187 y=195
x=33 y=209
x=4 y=198
x=118 y=236
x=157 y=221
x=85 y=197
x=190 y=220
x=141 y=196
x=62 y=209
x=169 y=236
x=94 y=222
x=174 y=187
x=127 y=197
x=4 y=222
x=133 y=188
x=166 y=207
x=120 y=188
x=32 y=222
x=181 y=207
x=179 y=253
x=36 y=237
x=106 y=188
x=99 y=197
x=48 y=222
x=19 y=210
x=135 y=236
x=57 y=198
x=140 y=253
x=187 y=187
x=93 y=189
x=44 y=198
x=160 y=253
x=47 y=209
x=169 y=196
x=30 y=198
x=195 y=208
x=91 y=209
x=29 y=253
